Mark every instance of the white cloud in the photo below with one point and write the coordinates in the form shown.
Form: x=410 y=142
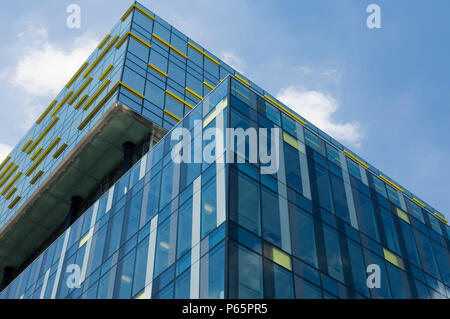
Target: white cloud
x=319 y=108
x=4 y=151
x=43 y=68
x=233 y=60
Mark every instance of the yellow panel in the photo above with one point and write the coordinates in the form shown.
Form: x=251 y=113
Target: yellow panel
x=11 y=183
x=98 y=107
x=47 y=110
x=173 y=116
x=100 y=46
x=24 y=148
x=277 y=256
x=197 y=96
x=134 y=36
x=85 y=238
x=169 y=46
x=140 y=295
x=402 y=215
x=7 y=176
x=242 y=80
x=36 y=177
x=390 y=183
x=43 y=156
x=42 y=135
x=393 y=258
x=81 y=101
x=60 y=150
x=442 y=219
x=101 y=56
x=14 y=202
x=36 y=154
x=285 y=110
x=148 y=15
x=6 y=169
x=178 y=99
x=209 y=86
x=11 y=193
x=122 y=40
x=61 y=104
x=142 y=41
x=418 y=202
x=134 y=6
x=106 y=72
x=80 y=90
x=81 y=69
x=6 y=160
x=211 y=116
x=290 y=140
x=203 y=53
x=96 y=94
x=131 y=90
x=353 y=157
x=157 y=70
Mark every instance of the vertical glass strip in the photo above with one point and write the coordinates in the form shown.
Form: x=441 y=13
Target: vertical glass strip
x=195 y=250
x=306 y=186
x=60 y=263
x=348 y=191
x=282 y=202
x=150 y=257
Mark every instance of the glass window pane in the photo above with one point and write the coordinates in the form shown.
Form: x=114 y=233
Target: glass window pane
x=244 y=202
x=306 y=290
x=183 y=286
x=126 y=269
x=245 y=273
x=140 y=267
x=165 y=244
x=340 y=198
x=184 y=228
x=278 y=282
x=292 y=164
x=320 y=186
x=358 y=268
x=209 y=207
x=212 y=270
x=365 y=214
x=271 y=217
x=389 y=231
x=333 y=253
x=302 y=235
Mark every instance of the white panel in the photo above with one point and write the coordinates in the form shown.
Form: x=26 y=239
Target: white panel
x=44 y=284
x=60 y=263
x=110 y=198
x=143 y=166
x=89 y=243
x=348 y=191
x=363 y=173
x=196 y=211
x=283 y=205
x=150 y=257
x=195 y=280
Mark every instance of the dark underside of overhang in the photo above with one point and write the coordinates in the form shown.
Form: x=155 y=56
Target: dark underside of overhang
x=80 y=173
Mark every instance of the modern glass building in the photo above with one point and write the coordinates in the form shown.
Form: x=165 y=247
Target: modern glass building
x=94 y=205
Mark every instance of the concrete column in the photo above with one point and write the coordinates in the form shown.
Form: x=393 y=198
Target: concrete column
x=73 y=210
x=128 y=148
x=7 y=276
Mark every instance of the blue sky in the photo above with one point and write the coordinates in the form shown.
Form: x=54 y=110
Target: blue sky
x=384 y=92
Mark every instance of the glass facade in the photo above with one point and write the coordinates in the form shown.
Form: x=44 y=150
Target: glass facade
x=221 y=229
